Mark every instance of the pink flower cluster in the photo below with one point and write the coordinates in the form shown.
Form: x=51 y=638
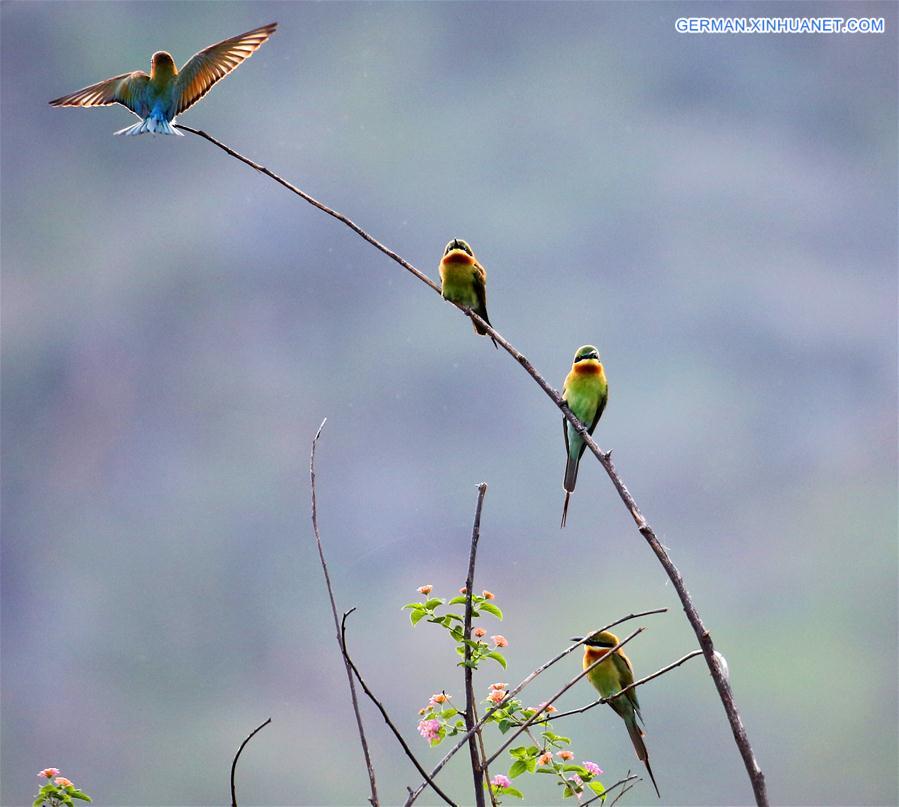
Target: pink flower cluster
x=501 y=781
x=592 y=768
x=429 y=729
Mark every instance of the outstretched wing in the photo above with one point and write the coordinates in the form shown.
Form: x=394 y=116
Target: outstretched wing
x=205 y=68
x=124 y=89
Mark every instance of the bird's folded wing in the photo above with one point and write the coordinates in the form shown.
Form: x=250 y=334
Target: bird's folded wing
x=115 y=90
x=205 y=68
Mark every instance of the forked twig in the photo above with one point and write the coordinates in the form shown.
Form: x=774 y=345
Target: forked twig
x=349 y=674
x=396 y=732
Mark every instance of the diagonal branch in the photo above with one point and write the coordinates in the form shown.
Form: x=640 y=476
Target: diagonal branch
x=741 y=738
x=562 y=691
x=517 y=690
x=383 y=711
x=250 y=736
x=629 y=778
x=476 y=767
x=321 y=555
x=628 y=688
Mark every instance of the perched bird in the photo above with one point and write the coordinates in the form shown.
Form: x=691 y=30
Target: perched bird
x=156 y=99
x=464 y=281
x=610 y=676
x=586 y=392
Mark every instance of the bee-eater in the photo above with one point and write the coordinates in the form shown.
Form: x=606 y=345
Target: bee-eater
x=156 y=99
x=610 y=676
x=464 y=281
x=585 y=391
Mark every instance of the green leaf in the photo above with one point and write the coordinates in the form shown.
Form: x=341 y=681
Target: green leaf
x=511 y=791
x=78 y=794
x=532 y=764
x=597 y=787
x=458 y=600
x=547 y=770
x=504 y=726
x=556 y=738
x=496 y=657
x=417 y=616
x=453 y=616
x=522 y=752
x=490 y=608
x=566 y=793
x=451 y=712
x=416 y=605
x=38 y=801
x=578 y=769
x=432 y=603
x=518 y=768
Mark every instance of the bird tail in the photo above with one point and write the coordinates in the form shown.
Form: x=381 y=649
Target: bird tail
x=565 y=509
x=479 y=330
x=640 y=747
x=151 y=124
x=569 y=482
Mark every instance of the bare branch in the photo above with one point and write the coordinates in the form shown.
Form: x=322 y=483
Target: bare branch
x=237 y=756
x=396 y=733
x=559 y=694
x=517 y=690
x=629 y=687
x=628 y=778
x=476 y=768
x=623 y=792
x=373 y=799
x=725 y=693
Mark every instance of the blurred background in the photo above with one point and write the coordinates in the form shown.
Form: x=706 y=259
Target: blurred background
x=716 y=213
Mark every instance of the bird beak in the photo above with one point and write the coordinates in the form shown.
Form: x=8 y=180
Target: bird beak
x=576 y=639
x=456 y=244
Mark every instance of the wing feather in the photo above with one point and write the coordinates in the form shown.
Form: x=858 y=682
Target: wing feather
x=115 y=90
x=211 y=64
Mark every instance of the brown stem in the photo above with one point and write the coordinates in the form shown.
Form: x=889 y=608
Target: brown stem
x=741 y=738
x=470 y=722
x=383 y=711
x=237 y=756
x=373 y=799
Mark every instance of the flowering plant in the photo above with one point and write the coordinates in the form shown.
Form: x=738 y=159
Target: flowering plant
x=57 y=791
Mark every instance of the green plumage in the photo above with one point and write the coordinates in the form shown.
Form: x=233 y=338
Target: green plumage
x=586 y=392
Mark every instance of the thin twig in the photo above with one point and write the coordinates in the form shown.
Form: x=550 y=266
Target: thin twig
x=756 y=777
x=237 y=756
x=629 y=687
x=628 y=778
x=349 y=674
x=624 y=792
x=559 y=694
x=476 y=768
x=517 y=690
x=396 y=732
